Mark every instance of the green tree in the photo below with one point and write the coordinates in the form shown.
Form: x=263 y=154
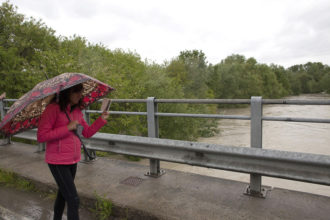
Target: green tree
x=283 y=78
x=195 y=74
x=308 y=76
x=325 y=83
x=21 y=43
x=238 y=77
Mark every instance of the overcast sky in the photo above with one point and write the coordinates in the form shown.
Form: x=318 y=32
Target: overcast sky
x=283 y=32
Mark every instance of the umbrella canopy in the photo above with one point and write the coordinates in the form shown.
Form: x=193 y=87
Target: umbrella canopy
x=26 y=111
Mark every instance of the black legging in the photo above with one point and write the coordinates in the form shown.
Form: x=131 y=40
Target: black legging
x=64 y=176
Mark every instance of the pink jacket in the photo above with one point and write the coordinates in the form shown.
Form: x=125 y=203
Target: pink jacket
x=63 y=146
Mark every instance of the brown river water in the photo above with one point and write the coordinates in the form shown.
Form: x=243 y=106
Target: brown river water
x=287 y=136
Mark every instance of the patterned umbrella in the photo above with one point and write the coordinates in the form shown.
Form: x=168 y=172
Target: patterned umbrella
x=25 y=113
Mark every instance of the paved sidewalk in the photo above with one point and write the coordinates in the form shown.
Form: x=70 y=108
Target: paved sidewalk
x=23 y=205
x=175 y=195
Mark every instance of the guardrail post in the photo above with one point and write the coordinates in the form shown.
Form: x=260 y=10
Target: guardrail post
x=91 y=152
x=255 y=189
x=87 y=116
x=155 y=170
x=2 y=109
x=41 y=147
x=3 y=112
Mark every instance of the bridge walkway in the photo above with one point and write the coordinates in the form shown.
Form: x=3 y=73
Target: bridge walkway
x=175 y=195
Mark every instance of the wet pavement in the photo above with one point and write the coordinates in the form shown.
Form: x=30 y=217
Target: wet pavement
x=175 y=195
x=16 y=204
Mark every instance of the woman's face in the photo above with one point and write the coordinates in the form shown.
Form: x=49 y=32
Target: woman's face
x=75 y=97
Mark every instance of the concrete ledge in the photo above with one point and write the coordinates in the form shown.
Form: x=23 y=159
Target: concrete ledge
x=175 y=195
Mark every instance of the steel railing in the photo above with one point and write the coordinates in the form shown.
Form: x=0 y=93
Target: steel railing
x=256 y=161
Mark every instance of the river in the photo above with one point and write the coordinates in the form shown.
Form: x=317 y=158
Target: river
x=287 y=136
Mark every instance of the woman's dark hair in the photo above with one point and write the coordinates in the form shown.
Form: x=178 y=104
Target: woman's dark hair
x=64 y=97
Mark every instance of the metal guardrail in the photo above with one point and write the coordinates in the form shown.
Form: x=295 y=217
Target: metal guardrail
x=313 y=168
x=256 y=161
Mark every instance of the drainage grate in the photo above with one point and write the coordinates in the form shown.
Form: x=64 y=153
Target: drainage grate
x=132 y=181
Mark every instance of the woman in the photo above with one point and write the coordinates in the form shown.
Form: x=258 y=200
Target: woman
x=63 y=150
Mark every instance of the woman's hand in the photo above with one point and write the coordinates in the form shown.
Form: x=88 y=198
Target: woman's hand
x=105 y=115
x=72 y=125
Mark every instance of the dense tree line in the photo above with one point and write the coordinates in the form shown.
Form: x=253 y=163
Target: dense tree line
x=30 y=51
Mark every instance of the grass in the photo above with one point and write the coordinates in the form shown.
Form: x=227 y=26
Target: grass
x=132 y=158
x=25 y=141
x=103 y=207
x=103 y=154
x=11 y=179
